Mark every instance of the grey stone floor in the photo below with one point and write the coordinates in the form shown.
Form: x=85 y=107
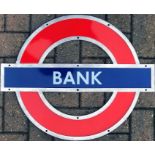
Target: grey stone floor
x=14 y=29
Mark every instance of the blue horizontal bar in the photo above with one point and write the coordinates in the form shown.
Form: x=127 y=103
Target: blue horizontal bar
x=38 y=77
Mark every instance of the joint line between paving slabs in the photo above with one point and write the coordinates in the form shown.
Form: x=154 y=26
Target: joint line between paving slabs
x=30 y=23
x=80 y=61
x=106 y=17
x=154 y=124
x=131 y=39
x=4 y=22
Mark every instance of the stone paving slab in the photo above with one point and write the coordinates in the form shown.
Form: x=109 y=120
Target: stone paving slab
x=143 y=35
x=146 y=100
x=63 y=99
x=36 y=134
x=122 y=22
x=38 y=20
x=68 y=52
x=10 y=43
x=12 y=137
x=92 y=99
x=19 y=23
x=93 y=61
x=142 y=125
x=124 y=128
x=14 y=118
x=92 y=50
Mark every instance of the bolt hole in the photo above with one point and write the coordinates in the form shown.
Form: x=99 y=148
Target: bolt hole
x=9 y=65
x=77 y=65
x=78 y=37
x=9 y=89
x=145 y=89
x=77 y=89
x=46 y=130
x=108 y=130
x=77 y=117
x=47 y=24
x=145 y=65
x=108 y=24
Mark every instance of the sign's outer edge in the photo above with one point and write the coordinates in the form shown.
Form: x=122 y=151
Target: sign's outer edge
x=86 y=137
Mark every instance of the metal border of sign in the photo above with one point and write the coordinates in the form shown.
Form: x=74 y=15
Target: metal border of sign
x=151 y=66
x=88 y=137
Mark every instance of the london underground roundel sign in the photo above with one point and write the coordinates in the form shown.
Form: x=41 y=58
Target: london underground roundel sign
x=29 y=77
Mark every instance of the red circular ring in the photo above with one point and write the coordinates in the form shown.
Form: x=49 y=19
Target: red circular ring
x=54 y=32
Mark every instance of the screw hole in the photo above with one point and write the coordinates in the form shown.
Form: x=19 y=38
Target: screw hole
x=9 y=89
x=108 y=130
x=77 y=89
x=46 y=130
x=77 y=65
x=77 y=117
x=145 y=65
x=78 y=37
x=9 y=65
x=145 y=89
x=108 y=24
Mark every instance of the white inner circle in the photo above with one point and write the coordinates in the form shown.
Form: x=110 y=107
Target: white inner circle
x=109 y=53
